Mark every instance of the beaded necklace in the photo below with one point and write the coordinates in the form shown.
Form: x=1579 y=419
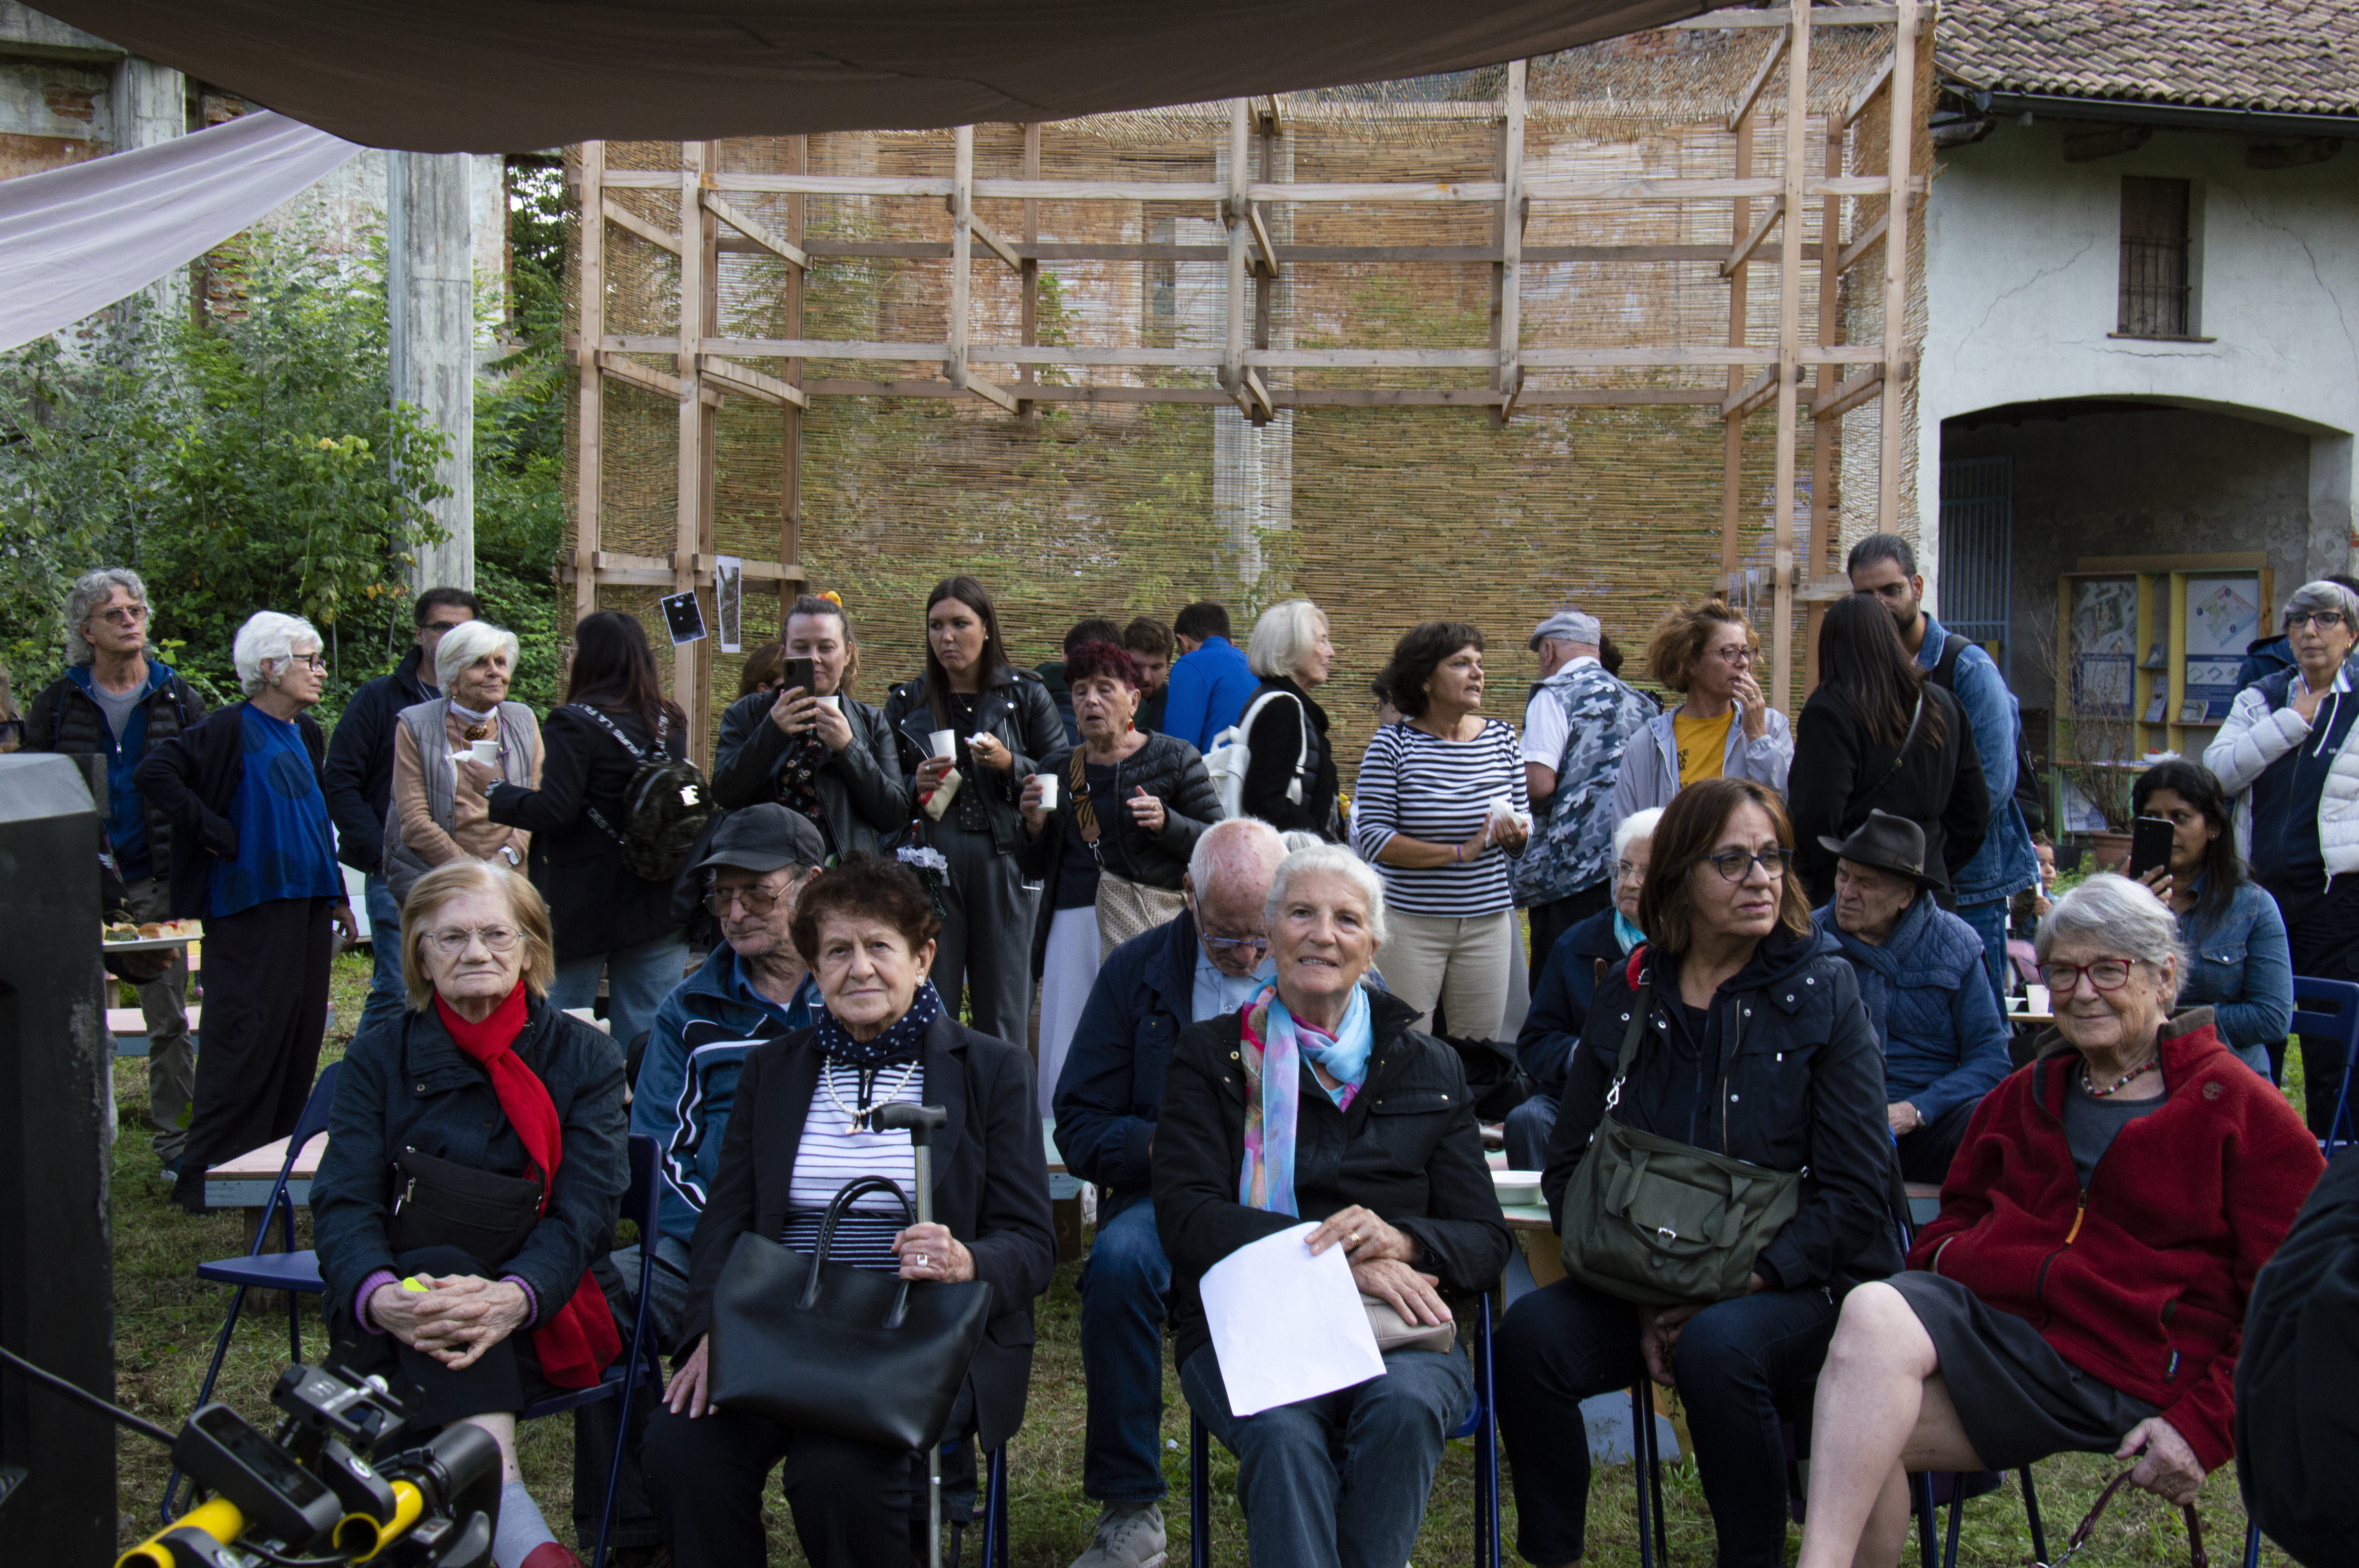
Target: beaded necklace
x=2093 y=1092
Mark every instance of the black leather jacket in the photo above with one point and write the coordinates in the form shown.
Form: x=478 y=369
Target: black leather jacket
x=860 y=787
x=1016 y=706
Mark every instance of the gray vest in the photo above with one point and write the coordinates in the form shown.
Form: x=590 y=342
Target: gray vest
x=428 y=724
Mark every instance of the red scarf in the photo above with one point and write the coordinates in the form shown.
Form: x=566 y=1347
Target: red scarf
x=576 y=1341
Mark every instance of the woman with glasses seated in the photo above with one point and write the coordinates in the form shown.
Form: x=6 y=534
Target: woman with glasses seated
x=254 y=856
x=2083 y=1288
x=1753 y=1044
x=474 y=1174
x=2290 y=754
x=1724 y=729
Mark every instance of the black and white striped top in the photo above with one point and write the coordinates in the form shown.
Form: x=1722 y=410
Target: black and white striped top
x=1438 y=791
x=831 y=1155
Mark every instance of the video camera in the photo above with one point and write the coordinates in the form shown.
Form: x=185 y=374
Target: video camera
x=310 y=1494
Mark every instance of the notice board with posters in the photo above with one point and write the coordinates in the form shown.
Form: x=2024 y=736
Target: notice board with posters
x=2150 y=646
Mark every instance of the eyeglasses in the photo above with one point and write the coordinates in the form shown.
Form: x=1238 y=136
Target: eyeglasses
x=1629 y=871
x=754 y=900
x=2105 y=974
x=309 y=661
x=1739 y=656
x=1735 y=865
x=124 y=614
x=453 y=942
x=1234 y=944
x=2324 y=620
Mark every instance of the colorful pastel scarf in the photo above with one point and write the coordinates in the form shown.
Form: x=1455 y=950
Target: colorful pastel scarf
x=1275 y=1041
x=1625 y=931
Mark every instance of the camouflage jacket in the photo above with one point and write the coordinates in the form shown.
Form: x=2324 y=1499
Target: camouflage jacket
x=1572 y=831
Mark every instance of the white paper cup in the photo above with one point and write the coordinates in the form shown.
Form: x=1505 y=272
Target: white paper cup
x=832 y=702
x=1048 y=791
x=485 y=751
x=944 y=743
x=2039 y=999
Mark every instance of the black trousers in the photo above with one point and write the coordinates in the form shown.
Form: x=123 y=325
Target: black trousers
x=1559 y=916
x=1926 y=1154
x=265 y=1008
x=505 y=1378
x=1735 y=1363
x=2322 y=930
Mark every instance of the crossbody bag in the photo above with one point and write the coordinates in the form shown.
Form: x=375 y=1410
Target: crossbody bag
x=1125 y=908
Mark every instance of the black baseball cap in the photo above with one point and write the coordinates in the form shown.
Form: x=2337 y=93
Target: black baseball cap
x=764 y=837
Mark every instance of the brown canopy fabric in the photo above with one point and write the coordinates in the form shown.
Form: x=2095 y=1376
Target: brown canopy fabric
x=516 y=75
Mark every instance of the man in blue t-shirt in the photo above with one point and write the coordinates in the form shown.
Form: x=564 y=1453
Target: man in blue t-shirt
x=1212 y=683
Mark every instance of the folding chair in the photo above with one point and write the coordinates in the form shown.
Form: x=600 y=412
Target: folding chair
x=1923 y=1501
x=2330 y=1010
x=1482 y=1425
x=287 y=1270
x=994 y=1511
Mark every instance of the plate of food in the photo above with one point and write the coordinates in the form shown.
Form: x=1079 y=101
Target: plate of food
x=123 y=936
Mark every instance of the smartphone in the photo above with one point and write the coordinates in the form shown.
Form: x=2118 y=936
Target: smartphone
x=2149 y=845
x=797 y=672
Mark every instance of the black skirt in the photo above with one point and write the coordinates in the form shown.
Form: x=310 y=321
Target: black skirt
x=2017 y=1397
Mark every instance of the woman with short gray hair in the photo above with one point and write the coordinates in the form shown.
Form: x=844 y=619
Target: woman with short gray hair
x=438 y=813
x=2290 y=754
x=2084 y=1287
x=1290 y=779
x=254 y=856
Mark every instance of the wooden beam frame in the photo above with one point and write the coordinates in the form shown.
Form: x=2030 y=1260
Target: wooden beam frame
x=753 y=229
x=1752 y=242
x=1508 y=277
x=624 y=219
x=1793 y=170
x=589 y=508
x=1755 y=396
x=1903 y=143
x=1667 y=188
x=1236 y=203
x=751 y=383
x=1768 y=68
x=700 y=289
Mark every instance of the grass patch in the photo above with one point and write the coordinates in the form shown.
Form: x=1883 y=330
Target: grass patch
x=165 y=1321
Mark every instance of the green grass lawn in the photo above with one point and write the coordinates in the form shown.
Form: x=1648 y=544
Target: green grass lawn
x=165 y=1321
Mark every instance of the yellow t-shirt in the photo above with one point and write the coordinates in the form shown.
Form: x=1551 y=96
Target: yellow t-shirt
x=1702 y=742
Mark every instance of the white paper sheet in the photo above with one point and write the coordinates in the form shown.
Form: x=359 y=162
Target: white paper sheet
x=1287 y=1326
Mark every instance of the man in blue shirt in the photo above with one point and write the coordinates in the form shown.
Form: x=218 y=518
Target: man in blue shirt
x=1214 y=958
x=1212 y=683
x=1885 y=566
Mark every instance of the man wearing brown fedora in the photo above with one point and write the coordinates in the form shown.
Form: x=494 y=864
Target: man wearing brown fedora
x=1921 y=977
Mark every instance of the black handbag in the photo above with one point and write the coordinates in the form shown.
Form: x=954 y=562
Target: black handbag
x=856 y=1352
x=441 y=1203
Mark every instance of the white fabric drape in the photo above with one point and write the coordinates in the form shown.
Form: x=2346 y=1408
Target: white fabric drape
x=77 y=239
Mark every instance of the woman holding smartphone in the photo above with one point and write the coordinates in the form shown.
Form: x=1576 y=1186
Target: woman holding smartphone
x=1002 y=726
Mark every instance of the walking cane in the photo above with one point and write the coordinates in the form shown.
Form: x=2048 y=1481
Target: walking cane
x=920 y=1120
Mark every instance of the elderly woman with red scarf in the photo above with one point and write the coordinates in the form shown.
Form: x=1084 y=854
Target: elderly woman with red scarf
x=473 y=1172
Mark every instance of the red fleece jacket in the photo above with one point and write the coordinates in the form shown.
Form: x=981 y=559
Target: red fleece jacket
x=2141 y=1280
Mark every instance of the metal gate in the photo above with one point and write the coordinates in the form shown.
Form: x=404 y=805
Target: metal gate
x=1977 y=553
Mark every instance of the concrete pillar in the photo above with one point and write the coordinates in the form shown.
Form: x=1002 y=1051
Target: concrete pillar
x=2333 y=544
x=148 y=104
x=431 y=306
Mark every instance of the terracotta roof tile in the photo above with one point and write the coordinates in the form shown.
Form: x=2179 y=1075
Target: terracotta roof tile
x=2290 y=57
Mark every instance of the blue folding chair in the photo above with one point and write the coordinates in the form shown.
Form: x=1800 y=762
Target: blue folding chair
x=1482 y=1425
x=295 y=1273
x=995 y=1511
x=2330 y=1010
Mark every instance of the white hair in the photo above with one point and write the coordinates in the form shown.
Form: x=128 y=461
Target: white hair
x=467 y=644
x=268 y=638
x=1283 y=636
x=1236 y=846
x=2324 y=595
x=89 y=591
x=1637 y=826
x=1334 y=860
x=2125 y=915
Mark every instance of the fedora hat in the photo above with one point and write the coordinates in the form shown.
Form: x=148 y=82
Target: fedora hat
x=1889 y=843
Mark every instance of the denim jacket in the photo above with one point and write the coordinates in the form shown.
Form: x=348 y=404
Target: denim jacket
x=2241 y=967
x=2005 y=864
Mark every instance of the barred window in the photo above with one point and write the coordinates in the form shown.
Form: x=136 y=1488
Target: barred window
x=2157 y=286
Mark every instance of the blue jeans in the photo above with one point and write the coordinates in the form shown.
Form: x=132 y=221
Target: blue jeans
x=1528 y=1128
x=1989 y=920
x=387 y=999
x=1340 y=1479
x=1124 y=1288
x=638 y=980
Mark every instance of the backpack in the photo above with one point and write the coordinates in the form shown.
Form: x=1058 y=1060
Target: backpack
x=1230 y=756
x=2030 y=787
x=664 y=806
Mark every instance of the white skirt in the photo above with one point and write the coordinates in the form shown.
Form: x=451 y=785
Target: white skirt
x=1066 y=972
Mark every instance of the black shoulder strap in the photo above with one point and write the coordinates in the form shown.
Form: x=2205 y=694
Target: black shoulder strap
x=608 y=726
x=1945 y=668
x=1641 y=1006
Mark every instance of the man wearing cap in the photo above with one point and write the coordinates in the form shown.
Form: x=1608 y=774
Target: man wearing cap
x=1921 y=976
x=753 y=987
x=1576 y=724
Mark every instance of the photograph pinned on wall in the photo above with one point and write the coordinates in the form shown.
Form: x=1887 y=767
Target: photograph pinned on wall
x=729 y=600
x=684 y=616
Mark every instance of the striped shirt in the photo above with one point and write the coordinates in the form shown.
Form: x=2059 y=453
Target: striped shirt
x=831 y=1156
x=1438 y=791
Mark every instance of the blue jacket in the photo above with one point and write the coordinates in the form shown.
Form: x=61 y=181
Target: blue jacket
x=2242 y=969
x=2264 y=657
x=1209 y=688
x=1111 y=1091
x=65 y=718
x=1560 y=1002
x=1930 y=1000
x=2005 y=864
x=688 y=1075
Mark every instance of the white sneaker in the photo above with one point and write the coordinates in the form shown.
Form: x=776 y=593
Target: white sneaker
x=1129 y=1535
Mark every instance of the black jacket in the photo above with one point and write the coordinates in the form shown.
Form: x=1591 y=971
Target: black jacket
x=1014 y=707
x=359 y=778
x=991 y=1188
x=1840 y=774
x=1166 y=768
x=192 y=780
x=1274 y=747
x=598 y=903
x=866 y=797
x=1408 y=1149
x=1111 y=1091
x=1805 y=1092
x=66 y=720
x=405 y=1084
x=2297 y=1379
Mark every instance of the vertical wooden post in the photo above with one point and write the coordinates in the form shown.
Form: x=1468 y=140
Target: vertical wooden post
x=1233 y=344
x=1267 y=131
x=1031 y=271
x=1826 y=552
x=1508 y=275
x=1731 y=458
x=790 y=470
x=589 y=234
x=1793 y=171
x=1896 y=268
x=962 y=248
x=692 y=538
